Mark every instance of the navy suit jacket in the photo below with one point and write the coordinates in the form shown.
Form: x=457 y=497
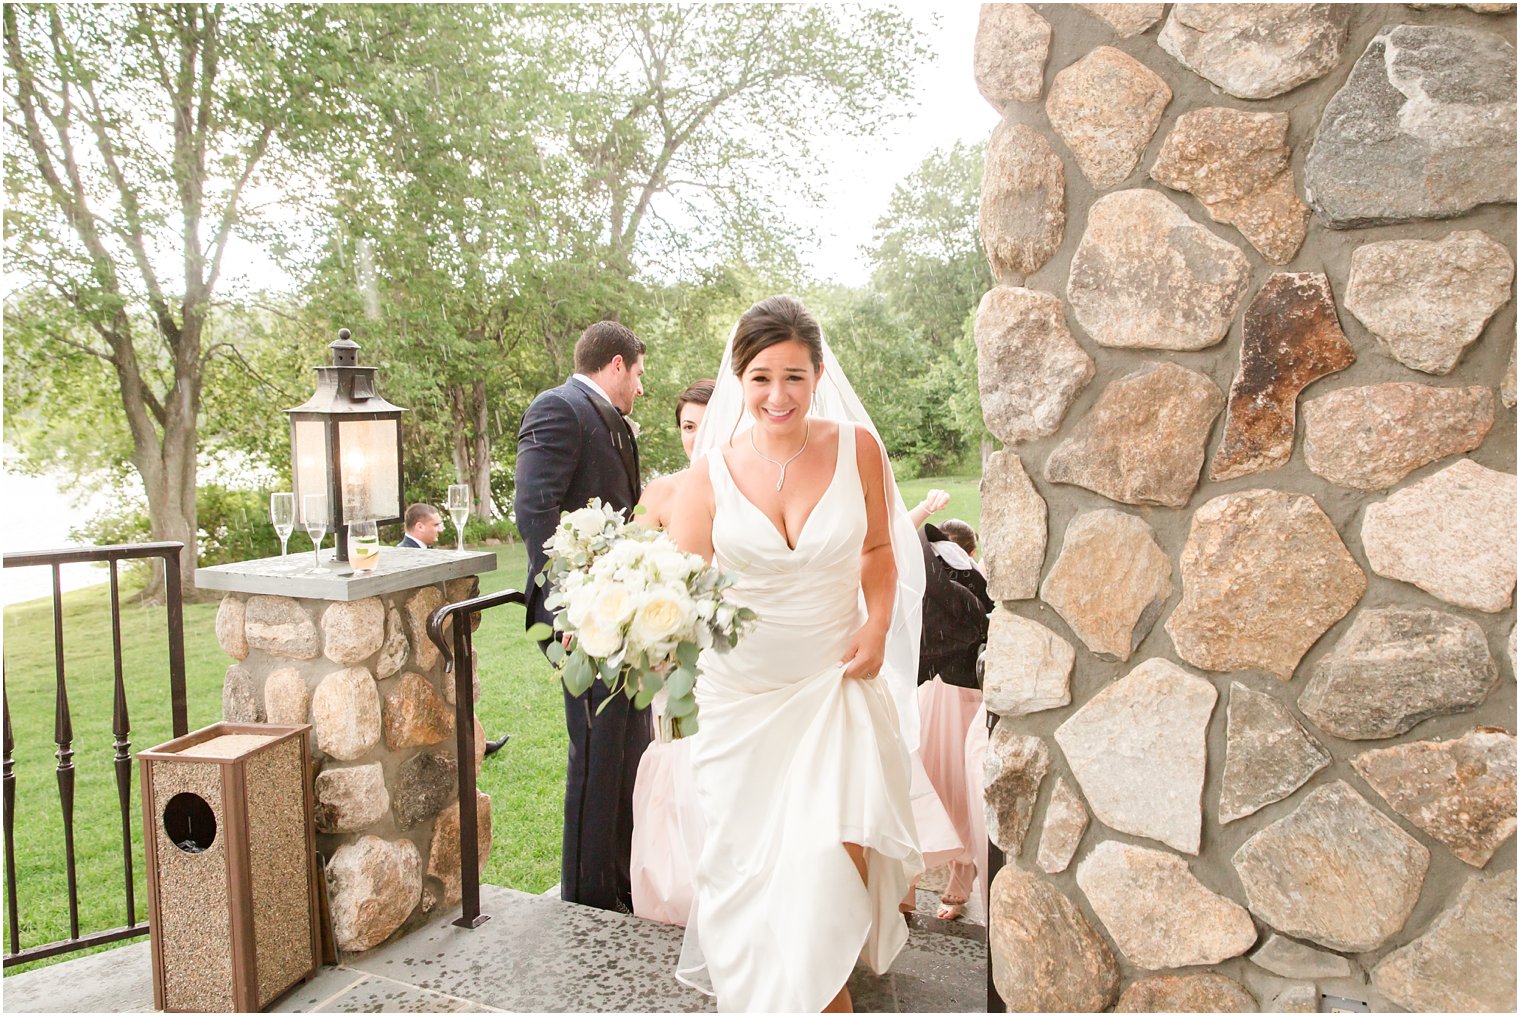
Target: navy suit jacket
x=568 y=453
x=411 y=541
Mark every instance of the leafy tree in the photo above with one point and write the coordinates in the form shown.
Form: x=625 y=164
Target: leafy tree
x=692 y=120
x=138 y=134
x=930 y=274
x=610 y=146
x=927 y=252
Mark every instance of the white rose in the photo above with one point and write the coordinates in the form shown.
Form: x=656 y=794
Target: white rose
x=597 y=640
x=619 y=560
x=666 y=611
x=611 y=605
x=585 y=522
x=670 y=565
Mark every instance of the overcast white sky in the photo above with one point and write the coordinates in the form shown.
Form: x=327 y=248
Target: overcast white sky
x=949 y=109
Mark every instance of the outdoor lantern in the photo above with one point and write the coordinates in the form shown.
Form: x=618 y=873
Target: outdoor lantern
x=345 y=443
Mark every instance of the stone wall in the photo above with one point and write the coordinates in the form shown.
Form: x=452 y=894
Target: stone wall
x=367 y=678
x=1251 y=357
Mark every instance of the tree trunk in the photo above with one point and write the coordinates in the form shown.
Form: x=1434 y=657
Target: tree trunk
x=459 y=446
x=485 y=505
x=471 y=446
x=169 y=469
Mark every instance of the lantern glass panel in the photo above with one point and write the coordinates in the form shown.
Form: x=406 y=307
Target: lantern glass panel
x=370 y=469
x=310 y=440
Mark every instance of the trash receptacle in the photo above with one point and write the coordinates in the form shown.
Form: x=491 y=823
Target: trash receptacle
x=231 y=858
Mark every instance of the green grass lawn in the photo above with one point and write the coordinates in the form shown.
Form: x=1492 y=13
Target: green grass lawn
x=965 y=497
x=520 y=695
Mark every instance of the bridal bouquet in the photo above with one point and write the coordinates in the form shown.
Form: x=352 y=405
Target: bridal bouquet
x=639 y=608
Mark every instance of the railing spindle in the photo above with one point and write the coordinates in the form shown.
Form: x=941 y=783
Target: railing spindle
x=12 y=912
x=459 y=659
x=469 y=816
x=121 y=727
x=63 y=735
x=176 y=611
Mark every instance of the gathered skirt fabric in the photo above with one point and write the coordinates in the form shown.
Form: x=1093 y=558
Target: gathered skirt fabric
x=667 y=833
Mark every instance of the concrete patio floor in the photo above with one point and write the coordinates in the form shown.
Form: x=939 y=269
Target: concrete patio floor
x=535 y=954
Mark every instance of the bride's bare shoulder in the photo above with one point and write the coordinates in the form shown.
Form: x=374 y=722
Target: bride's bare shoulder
x=869 y=457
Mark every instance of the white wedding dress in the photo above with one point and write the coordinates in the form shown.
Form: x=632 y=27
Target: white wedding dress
x=793 y=760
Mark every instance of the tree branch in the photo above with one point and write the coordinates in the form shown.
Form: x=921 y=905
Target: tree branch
x=248 y=367
x=133 y=234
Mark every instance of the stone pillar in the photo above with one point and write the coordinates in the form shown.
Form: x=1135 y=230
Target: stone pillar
x=349 y=653
x=1249 y=349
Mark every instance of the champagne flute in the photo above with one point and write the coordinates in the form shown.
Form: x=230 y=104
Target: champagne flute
x=314 y=511
x=459 y=508
x=282 y=512
x=363 y=545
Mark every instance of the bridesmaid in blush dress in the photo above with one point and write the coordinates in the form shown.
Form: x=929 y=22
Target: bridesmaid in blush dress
x=667 y=826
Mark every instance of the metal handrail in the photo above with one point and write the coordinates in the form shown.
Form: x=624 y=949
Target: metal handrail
x=464 y=731
x=63 y=736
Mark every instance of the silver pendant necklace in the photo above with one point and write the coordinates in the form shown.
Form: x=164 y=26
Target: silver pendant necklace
x=782 y=478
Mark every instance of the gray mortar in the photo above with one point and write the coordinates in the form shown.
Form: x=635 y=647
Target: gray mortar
x=1327 y=250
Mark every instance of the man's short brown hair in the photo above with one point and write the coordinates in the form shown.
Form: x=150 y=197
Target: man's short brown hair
x=960 y=533
x=601 y=342
x=415 y=513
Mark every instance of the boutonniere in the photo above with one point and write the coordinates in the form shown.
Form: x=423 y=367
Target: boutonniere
x=633 y=425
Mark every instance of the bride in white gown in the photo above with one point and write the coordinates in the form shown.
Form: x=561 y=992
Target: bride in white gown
x=802 y=764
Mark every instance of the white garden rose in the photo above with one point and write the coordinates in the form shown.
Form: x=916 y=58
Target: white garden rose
x=622 y=563
x=610 y=607
x=585 y=522
x=669 y=564
x=596 y=640
x=579 y=598
x=664 y=612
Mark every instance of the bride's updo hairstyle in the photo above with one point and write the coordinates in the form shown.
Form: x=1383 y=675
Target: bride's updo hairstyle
x=772 y=321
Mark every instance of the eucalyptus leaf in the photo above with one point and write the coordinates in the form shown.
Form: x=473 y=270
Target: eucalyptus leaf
x=540 y=631
x=681 y=683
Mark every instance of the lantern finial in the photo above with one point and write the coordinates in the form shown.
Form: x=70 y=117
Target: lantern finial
x=345 y=351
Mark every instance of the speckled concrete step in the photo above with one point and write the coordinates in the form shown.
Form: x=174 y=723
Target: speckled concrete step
x=540 y=954
x=535 y=954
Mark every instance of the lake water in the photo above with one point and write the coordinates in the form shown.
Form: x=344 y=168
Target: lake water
x=37 y=515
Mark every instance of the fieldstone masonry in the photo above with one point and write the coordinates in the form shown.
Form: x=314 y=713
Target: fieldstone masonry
x=364 y=674
x=1253 y=660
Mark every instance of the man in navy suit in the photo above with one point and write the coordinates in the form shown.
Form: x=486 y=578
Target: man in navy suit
x=575 y=445
x=423 y=523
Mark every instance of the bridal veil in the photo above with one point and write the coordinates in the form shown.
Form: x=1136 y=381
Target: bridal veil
x=835 y=399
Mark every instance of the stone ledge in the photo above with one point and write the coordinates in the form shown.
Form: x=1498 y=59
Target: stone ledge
x=400 y=568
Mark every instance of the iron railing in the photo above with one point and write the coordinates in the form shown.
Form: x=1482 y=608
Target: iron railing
x=63 y=736
x=459 y=659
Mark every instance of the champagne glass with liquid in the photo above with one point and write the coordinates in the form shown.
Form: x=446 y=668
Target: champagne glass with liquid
x=363 y=545
x=282 y=512
x=314 y=516
x=459 y=508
